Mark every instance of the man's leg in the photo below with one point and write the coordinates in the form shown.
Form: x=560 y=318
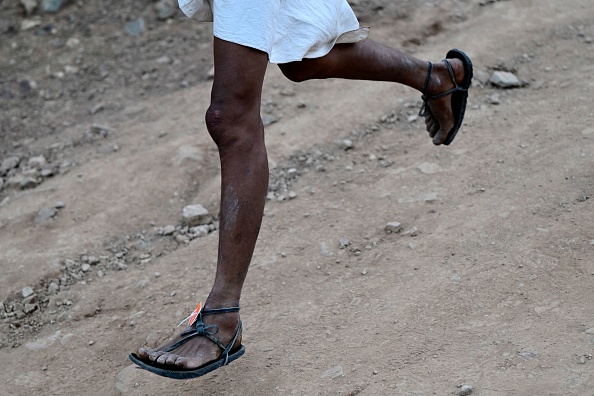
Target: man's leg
x=369 y=60
x=233 y=121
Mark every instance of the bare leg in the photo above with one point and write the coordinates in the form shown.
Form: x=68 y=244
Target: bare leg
x=233 y=121
x=369 y=60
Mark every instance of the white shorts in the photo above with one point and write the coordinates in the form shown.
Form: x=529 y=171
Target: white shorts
x=287 y=30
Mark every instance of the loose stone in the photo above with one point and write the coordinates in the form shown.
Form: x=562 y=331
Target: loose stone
x=502 y=79
x=465 y=390
x=393 y=227
x=26 y=291
x=168 y=230
x=195 y=215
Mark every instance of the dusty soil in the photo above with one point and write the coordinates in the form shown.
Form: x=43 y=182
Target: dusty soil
x=489 y=284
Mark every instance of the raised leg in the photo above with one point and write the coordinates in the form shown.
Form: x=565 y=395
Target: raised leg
x=369 y=60
x=233 y=121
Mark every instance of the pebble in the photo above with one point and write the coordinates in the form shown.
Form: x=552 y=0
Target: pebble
x=590 y=331
x=53 y=287
x=393 y=227
x=26 y=291
x=45 y=214
x=91 y=342
x=37 y=162
x=344 y=243
x=28 y=182
x=465 y=390
x=29 y=308
x=164 y=60
x=60 y=205
x=268 y=119
x=292 y=195
x=85 y=267
x=29 y=6
x=334 y=372
x=9 y=163
x=195 y=215
x=494 y=99
x=135 y=27
x=100 y=274
x=502 y=79
x=93 y=260
x=346 y=144
x=164 y=10
x=582 y=360
x=168 y=230
x=157 y=274
x=412 y=118
x=413 y=232
x=51 y=6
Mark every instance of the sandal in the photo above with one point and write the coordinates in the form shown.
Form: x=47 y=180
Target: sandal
x=459 y=92
x=197 y=328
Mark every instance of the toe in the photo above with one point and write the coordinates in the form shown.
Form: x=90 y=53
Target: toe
x=171 y=359
x=144 y=353
x=163 y=358
x=440 y=137
x=155 y=355
x=181 y=362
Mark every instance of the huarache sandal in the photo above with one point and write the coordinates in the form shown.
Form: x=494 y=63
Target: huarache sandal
x=459 y=92
x=197 y=328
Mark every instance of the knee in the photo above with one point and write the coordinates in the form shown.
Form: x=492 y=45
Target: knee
x=233 y=126
x=296 y=72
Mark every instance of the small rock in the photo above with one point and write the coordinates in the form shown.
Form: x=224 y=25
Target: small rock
x=100 y=274
x=26 y=291
x=346 y=144
x=93 y=260
x=211 y=73
x=334 y=372
x=28 y=182
x=164 y=10
x=393 y=227
x=456 y=278
x=582 y=360
x=164 y=60
x=32 y=299
x=91 y=342
x=168 y=230
x=8 y=164
x=412 y=118
x=135 y=27
x=268 y=119
x=29 y=6
x=85 y=267
x=292 y=195
x=494 y=99
x=51 y=6
x=29 y=308
x=590 y=331
x=344 y=243
x=53 y=288
x=502 y=79
x=195 y=215
x=157 y=274
x=45 y=214
x=37 y=162
x=465 y=390
x=528 y=354
x=60 y=205
x=413 y=232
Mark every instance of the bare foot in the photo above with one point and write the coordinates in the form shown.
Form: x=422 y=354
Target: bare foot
x=441 y=119
x=199 y=350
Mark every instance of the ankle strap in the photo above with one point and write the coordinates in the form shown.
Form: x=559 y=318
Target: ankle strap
x=219 y=310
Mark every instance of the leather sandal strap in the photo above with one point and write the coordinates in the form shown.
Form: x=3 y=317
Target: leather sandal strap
x=200 y=329
x=219 y=310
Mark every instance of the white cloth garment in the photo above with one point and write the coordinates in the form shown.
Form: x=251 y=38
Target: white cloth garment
x=287 y=30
